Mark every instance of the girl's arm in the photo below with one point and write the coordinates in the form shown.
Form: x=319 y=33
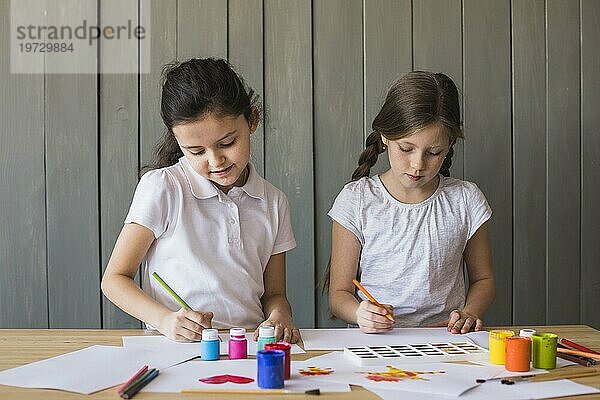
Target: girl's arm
x=345 y=255
x=119 y=286
x=274 y=301
x=482 y=285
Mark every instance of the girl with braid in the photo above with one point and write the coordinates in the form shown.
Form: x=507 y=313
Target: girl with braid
x=404 y=234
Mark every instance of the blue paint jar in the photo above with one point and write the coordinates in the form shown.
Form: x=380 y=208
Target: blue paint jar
x=209 y=346
x=269 y=369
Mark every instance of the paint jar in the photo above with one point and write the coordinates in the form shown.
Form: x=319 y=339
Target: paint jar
x=238 y=345
x=209 y=346
x=269 y=369
x=287 y=349
x=544 y=350
x=266 y=334
x=528 y=333
x=518 y=353
x=497 y=347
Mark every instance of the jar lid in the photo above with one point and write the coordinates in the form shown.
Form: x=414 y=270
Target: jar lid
x=237 y=332
x=266 y=331
x=210 y=334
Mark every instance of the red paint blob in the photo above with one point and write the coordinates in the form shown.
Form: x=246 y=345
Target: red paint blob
x=219 y=379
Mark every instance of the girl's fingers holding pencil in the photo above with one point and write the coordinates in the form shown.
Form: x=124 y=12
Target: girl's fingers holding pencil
x=204 y=319
x=372 y=319
x=367 y=306
x=373 y=327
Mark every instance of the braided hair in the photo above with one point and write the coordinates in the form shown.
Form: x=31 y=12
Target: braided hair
x=415 y=101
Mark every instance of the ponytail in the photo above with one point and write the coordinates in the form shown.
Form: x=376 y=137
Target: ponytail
x=368 y=158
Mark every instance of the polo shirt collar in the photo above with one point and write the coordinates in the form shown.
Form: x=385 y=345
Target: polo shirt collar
x=203 y=188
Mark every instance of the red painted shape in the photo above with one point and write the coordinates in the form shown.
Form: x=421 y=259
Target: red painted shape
x=219 y=379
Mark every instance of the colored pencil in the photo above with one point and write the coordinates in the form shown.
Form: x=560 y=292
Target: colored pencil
x=576 y=359
x=578 y=353
x=168 y=289
x=563 y=373
x=370 y=297
x=139 y=385
x=251 y=391
x=576 y=346
x=586 y=360
x=133 y=378
x=137 y=380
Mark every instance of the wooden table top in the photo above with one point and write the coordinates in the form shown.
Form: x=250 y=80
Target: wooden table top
x=22 y=346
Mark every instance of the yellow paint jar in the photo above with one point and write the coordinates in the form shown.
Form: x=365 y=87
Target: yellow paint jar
x=497 y=345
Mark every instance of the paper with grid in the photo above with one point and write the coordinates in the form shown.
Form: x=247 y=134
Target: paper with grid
x=423 y=352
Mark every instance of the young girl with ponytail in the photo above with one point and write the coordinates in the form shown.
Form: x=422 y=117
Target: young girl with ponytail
x=404 y=234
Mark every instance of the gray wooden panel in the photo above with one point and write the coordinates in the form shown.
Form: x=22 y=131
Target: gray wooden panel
x=201 y=29
x=163 y=49
x=437 y=47
x=387 y=56
x=118 y=147
x=564 y=154
x=72 y=192
x=289 y=138
x=590 y=123
x=23 y=283
x=529 y=172
x=487 y=90
x=246 y=55
x=338 y=116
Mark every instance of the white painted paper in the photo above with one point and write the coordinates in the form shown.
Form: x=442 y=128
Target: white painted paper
x=187 y=375
x=455 y=379
x=497 y=391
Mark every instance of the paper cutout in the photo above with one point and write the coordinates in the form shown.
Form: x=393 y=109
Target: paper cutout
x=314 y=371
x=219 y=379
x=396 y=375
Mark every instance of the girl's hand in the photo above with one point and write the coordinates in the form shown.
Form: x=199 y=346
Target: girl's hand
x=284 y=327
x=463 y=322
x=372 y=319
x=185 y=325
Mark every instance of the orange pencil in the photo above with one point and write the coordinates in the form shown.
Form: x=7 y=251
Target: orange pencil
x=578 y=353
x=370 y=296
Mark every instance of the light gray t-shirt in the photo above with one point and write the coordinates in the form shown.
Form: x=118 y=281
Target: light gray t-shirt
x=412 y=254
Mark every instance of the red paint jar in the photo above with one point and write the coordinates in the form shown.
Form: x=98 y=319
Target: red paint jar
x=287 y=349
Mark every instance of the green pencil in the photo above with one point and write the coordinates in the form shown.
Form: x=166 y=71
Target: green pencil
x=168 y=288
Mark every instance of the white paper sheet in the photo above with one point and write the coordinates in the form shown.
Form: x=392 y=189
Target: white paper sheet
x=497 y=391
x=88 y=370
x=187 y=375
x=455 y=379
x=337 y=339
x=189 y=350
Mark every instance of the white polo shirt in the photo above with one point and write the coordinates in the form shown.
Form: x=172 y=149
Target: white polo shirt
x=212 y=248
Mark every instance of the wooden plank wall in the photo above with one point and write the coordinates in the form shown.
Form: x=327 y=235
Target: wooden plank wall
x=72 y=144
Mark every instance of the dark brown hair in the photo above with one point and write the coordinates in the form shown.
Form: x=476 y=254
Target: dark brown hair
x=193 y=89
x=415 y=101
